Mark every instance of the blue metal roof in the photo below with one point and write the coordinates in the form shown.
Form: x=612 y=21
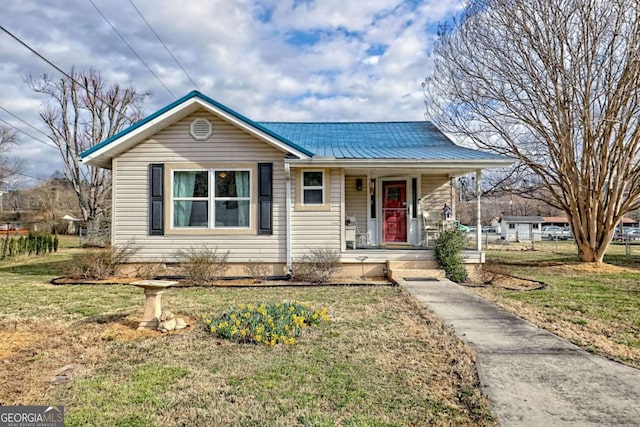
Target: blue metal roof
x=376 y=140
x=341 y=140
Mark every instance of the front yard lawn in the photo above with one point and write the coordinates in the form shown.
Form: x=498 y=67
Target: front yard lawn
x=382 y=360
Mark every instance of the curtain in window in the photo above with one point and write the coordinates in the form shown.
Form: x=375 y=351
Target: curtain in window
x=242 y=190
x=183 y=185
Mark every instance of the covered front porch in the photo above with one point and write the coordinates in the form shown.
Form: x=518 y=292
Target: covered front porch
x=401 y=211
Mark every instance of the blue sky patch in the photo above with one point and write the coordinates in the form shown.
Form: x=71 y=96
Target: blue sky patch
x=303 y=38
x=377 y=49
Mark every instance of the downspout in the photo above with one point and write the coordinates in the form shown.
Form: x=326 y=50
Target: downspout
x=287 y=176
x=479 y=211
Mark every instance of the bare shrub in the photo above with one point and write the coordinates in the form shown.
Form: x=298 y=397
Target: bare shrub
x=201 y=265
x=99 y=263
x=258 y=271
x=316 y=266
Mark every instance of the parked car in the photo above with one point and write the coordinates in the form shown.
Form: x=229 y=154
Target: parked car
x=464 y=228
x=628 y=234
x=555 y=232
x=489 y=229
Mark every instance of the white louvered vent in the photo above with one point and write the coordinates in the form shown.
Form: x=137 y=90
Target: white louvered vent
x=201 y=129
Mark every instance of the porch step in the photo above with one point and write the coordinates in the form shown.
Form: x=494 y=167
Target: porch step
x=426 y=274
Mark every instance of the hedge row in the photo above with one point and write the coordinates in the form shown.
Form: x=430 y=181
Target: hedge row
x=33 y=244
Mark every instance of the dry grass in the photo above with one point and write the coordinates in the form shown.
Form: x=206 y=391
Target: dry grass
x=383 y=360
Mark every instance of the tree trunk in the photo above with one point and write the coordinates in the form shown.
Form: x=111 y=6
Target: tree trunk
x=553 y=85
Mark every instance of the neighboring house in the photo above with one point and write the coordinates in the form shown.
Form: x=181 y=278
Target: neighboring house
x=519 y=228
x=562 y=221
x=495 y=222
x=198 y=173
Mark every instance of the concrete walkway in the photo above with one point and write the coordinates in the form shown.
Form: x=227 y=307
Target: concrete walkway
x=532 y=377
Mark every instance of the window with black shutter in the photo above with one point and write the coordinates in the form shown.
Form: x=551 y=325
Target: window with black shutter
x=265 y=198
x=156 y=199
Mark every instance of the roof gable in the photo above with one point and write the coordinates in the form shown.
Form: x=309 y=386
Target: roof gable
x=102 y=153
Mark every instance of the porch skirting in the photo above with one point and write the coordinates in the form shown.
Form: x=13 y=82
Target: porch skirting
x=371 y=263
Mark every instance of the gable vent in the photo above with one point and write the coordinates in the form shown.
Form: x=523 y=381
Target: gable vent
x=201 y=129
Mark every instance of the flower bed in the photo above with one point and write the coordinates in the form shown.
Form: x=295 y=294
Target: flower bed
x=267 y=324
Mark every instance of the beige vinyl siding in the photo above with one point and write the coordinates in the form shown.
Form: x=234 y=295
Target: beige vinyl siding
x=318 y=228
x=435 y=192
x=356 y=202
x=228 y=144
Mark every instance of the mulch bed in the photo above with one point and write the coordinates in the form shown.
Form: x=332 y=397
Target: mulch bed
x=226 y=283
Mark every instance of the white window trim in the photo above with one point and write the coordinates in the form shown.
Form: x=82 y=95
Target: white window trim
x=211 y=198
x=313 y=187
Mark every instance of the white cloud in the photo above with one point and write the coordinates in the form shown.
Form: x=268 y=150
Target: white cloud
x=354 y=60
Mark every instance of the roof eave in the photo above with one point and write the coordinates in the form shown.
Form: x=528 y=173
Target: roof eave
x=405 y=163
x=101 y=154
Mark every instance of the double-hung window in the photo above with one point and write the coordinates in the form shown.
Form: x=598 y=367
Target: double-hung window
x=211 y=198
x=313 y=188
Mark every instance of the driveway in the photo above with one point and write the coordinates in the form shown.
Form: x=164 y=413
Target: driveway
x=532 y=377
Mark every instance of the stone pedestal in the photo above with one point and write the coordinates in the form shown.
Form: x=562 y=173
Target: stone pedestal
x=153 y=290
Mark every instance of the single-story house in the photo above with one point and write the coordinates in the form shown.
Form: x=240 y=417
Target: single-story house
x=199 y=173
x=518 y=228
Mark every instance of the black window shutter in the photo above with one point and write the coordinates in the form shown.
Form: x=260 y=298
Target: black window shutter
x=265 y=198
x=156 y=199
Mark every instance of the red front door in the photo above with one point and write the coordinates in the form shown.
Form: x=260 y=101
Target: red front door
x=394 y=211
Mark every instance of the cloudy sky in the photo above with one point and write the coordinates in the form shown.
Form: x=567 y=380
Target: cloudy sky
x=286 y=60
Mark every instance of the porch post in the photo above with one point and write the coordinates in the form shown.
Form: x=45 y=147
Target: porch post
x=479 y=211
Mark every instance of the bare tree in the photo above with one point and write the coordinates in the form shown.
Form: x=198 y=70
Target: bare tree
x=556 y=85
x=53 y=199
x=81 y=112
x=9 y=167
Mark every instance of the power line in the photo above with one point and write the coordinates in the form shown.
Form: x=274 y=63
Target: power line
x=29 y=135
x=64 y=73
x=29 y=176
x=131 y=48
x=23 y=121
x=165 y=46
x=40 y=56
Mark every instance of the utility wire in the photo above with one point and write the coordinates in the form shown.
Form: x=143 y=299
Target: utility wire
x=61 y=71
x=165 y=46
x=29 y=176
x=29 y=135
x=23 y=121
x=131 y=48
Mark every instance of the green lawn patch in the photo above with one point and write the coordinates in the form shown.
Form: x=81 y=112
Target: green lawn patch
x=382 y=360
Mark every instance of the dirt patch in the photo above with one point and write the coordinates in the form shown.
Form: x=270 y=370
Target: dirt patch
x=32 y=352
x=591 y=267
x=126 y=329
x=499 y=278
x=11 y=342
